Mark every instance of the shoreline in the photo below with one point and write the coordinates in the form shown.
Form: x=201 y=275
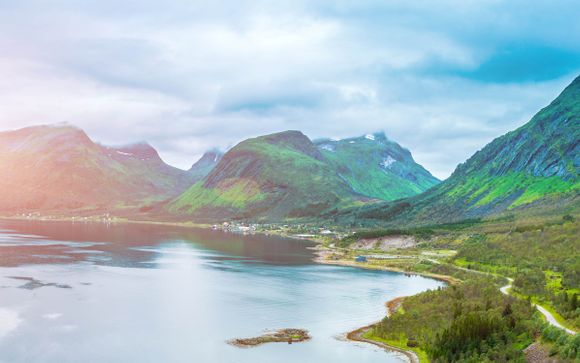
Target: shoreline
x=392 y=305
x=194 y=225
x=357 y=335
x=320 y=251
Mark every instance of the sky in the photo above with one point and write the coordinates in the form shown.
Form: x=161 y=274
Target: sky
x=440 y=78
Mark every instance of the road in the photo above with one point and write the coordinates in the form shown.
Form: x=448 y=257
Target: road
x=505 y=290
x=549 y=317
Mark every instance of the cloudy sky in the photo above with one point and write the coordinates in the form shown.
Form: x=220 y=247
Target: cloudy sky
x=441 y=78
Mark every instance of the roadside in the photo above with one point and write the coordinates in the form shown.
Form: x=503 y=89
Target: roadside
x=550 y=318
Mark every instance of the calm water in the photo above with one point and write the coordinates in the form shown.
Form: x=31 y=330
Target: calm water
x=138 y=293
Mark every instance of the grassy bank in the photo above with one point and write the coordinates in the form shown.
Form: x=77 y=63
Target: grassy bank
x=401 y=343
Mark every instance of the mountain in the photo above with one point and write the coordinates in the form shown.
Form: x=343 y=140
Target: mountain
x=282 y=175
x=59 y=169
x=201 y=168
x=286 y=175
x=142 y=164
x=376 y=166
x=532 y=169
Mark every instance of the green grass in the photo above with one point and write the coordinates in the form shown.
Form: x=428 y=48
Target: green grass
x=554 y=283
x=401 y=343
x=234 y=194
x=489 y=189
x=490 y=268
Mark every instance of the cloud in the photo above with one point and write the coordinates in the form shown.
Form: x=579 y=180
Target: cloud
x=190 y=75
x=9 y=321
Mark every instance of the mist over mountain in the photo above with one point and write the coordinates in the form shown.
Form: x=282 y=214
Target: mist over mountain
x=59 y=169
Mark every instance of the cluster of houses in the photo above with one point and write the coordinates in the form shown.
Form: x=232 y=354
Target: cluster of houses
x=236 y=227
x=105 y=217
x=297 y=231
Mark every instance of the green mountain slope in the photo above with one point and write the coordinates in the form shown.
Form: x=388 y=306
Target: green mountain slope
x=533 y=169
x=285 y=175
x=59 y=169
x=377 y=167
x=277 y=176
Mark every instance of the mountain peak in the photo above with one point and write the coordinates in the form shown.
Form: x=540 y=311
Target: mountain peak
x=545 y=146
x=212 y=155
x=141 y=150
x=376 y=136
x=575 y=84
x=291 y=139
x=40 y=137
x=289 y=136
x=205 y=164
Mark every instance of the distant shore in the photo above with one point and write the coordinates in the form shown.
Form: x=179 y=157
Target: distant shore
x=322 y=254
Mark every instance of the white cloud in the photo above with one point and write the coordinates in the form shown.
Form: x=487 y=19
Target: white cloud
x=9 y=321
x=187 y=75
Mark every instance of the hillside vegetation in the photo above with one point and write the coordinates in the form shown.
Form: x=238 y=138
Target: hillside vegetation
x=58 y=169
x=533 y=169
x=377 y=167
x=285 y=176
x=470 y=322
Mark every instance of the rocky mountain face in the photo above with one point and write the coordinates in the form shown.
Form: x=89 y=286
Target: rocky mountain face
x=533 y=168
x=276 y=176
x=201 y=168
x=547 y=146
x=285 y=175
x=377 y=167
x=59 y=169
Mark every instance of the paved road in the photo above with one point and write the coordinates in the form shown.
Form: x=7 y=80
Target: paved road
x=549 y=317
x=505 y=290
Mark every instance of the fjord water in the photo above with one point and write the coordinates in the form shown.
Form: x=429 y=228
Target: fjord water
x=93 y=292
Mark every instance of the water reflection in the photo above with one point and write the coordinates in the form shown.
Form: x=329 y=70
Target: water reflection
x=136 y=245
x=88 y=292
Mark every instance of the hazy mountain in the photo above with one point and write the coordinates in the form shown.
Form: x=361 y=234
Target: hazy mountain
x=201 y=168
x=58 y=168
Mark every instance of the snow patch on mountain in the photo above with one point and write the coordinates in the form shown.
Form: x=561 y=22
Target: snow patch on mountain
x=327 y=147
x=388 y=162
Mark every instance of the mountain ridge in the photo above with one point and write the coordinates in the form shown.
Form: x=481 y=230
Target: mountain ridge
x=286 y=175
x=539 y=161
x=58 y=168
x=387 y=171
